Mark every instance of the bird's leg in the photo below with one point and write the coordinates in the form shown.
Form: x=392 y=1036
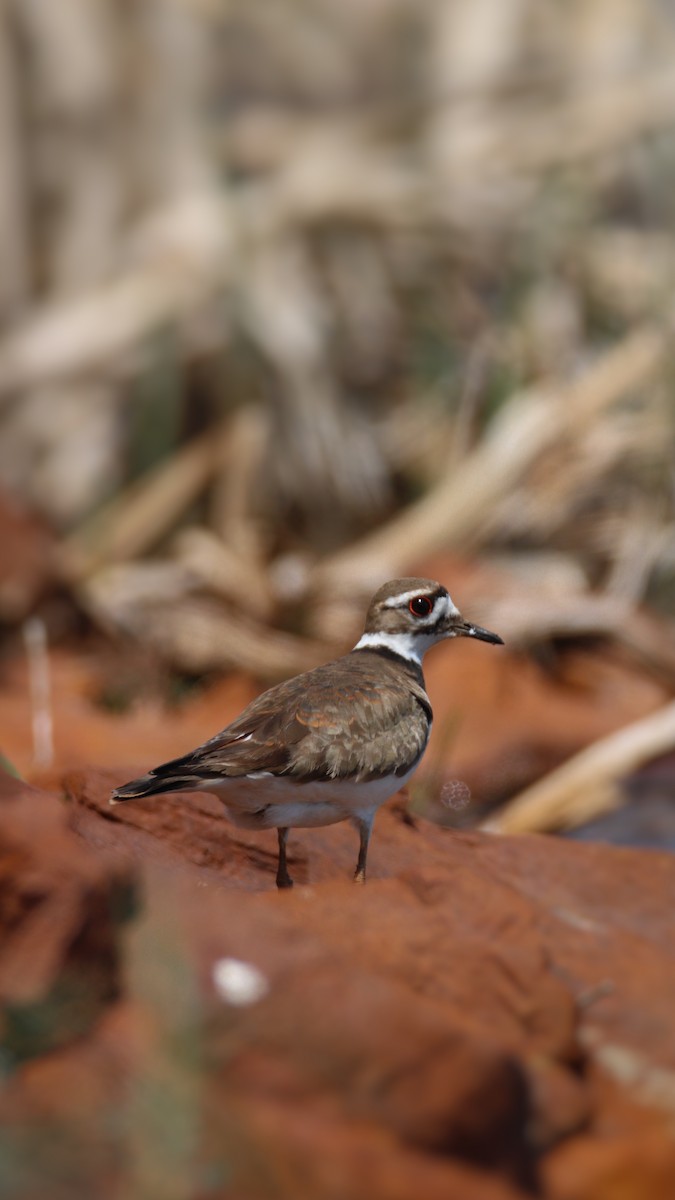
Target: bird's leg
x=364 y=828
x=283 y=878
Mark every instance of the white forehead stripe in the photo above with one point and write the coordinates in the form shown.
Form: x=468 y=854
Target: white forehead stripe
x=405 y=597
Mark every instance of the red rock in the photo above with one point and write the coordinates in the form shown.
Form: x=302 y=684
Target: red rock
x=60 y=910
x=290 y=1150
x=636 y=1168
x=396 y=1060
x=486 y=1016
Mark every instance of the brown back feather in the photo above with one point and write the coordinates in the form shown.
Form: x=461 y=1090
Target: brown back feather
x=298 y=727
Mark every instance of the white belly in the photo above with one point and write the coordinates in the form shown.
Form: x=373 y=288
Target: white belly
x=266 y=802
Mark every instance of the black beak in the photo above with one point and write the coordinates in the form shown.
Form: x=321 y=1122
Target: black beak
x=476 y=631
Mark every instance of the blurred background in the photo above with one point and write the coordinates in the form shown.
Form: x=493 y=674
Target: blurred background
x=299 y=297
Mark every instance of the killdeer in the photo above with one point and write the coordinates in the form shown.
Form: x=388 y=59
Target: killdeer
x=334 y=743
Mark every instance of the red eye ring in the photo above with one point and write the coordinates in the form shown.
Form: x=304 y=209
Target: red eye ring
x=420 y=606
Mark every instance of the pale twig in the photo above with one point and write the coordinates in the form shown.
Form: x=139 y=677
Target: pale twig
x=71 y=80
x=237 y=481
x=532 y=618
x=133 y=522
x=640 y=546
x=597 y=119
x=333 y=179
x=90 y=332
x=586 y=786
x=161 y=603
x=419 y=448
x=224 y=571
x=197 y=634
x=14 y=203
x=461 y=510
x=35 y=641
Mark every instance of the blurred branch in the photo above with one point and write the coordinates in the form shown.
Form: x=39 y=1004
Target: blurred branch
x=597 y=119
x=332 y=178
x=159 y=604
x=35 y=642
x=225 y=572
x=333 y=169
x=586 y=786
x=460 y=510
x=75 y=145
x=134 y=521
x=92 y=331
x=351 y=244
x=14 y=254
x=535 y=615
x=237 y=482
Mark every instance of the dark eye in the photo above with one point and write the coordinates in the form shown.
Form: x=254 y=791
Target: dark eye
x=421 y=606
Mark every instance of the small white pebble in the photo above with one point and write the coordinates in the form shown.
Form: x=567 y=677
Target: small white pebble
x=239 y=983
x=455 y=794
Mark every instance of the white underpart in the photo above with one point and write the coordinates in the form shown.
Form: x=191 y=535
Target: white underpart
x=262 y=801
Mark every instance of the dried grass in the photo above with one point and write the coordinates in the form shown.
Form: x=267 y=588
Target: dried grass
x=586 y=786
x=415 y=264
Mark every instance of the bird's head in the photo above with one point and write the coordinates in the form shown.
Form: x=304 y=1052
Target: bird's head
x=407 y=616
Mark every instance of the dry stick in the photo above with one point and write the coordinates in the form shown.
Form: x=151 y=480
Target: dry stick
x=70 y=78
x=161 y=605
x=595 y=121
x=196 y=634
x=224 y=571
x=471 y=393
x=334 y=176
x=585 y=786
x=526 y=619
x=415 y=447
x=170 y=69
x=237 y=479
x=135 y=521
x=71 y=81
x=14 y=204
x=92 y=331
x=460 y=510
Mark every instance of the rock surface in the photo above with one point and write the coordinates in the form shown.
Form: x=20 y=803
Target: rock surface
x=488 y=1019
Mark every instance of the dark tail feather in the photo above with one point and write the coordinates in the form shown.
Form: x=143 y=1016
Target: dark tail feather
x=151 y=785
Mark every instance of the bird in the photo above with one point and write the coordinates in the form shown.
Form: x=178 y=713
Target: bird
x=335 y=742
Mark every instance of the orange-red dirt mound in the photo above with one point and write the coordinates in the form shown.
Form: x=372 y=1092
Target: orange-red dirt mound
x=487 y=1019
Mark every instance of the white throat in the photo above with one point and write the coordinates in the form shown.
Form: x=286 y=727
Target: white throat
x=411 y=646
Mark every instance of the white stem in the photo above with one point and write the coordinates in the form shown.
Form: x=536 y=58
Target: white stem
x=35 y=641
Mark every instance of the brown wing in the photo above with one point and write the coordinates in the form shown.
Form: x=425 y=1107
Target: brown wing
x=337 y=719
